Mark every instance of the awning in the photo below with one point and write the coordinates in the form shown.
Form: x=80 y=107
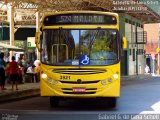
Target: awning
x=10 y=47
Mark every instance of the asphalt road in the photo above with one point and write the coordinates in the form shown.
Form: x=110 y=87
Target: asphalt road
x=136 y=97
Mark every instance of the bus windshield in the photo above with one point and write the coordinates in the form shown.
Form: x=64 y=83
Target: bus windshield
x=87 y=47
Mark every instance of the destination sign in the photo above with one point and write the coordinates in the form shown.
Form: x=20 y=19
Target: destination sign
x=79 y=18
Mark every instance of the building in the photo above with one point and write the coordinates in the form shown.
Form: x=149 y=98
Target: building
x=133 y=61
x=153 y=39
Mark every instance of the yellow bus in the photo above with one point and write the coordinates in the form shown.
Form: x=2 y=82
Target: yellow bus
x=80 y=55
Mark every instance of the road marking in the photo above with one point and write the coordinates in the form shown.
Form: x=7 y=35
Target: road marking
x=155 y=107
x=150 y=114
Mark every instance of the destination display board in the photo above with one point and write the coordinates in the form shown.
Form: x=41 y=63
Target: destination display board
x=79 y=18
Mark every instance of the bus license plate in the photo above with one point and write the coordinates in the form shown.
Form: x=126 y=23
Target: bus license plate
x=79 y=89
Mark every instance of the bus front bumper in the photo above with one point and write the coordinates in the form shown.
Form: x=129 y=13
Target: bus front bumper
x=80 y=90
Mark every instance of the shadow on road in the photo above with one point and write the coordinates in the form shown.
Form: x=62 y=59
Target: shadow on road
x=84 y=105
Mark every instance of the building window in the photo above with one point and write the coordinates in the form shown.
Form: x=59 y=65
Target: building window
x=139 y=51
x=130 y=51
x=142 y=26
x=126 y=20
x=134 y=55
x=137 y=24
x=133 y=23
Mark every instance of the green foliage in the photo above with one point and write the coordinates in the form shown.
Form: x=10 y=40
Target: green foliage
x=100 y=45
x=20 y=44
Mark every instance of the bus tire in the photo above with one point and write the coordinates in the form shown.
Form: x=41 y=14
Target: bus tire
x=112 y=102
x=54 y=101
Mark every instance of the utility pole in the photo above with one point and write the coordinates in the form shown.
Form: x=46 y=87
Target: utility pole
x=11 y=23
x=37 y=28
x=136 y=50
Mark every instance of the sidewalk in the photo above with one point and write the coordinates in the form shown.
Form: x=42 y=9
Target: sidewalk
x=24 y=90
x=32 y=89
x=136 y=77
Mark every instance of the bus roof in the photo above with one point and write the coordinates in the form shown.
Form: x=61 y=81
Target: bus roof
x=80 y=11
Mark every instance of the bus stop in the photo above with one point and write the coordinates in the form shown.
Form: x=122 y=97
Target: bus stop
x=133 y=15
x=6 y=47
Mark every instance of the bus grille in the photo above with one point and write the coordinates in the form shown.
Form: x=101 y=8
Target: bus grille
x=79 y=71
x=83 y=82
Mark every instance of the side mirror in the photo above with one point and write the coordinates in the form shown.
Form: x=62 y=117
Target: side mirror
x=124 y=43
x=37 y=40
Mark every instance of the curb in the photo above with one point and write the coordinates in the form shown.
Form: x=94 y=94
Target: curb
x=16 y=95
x=126 y=80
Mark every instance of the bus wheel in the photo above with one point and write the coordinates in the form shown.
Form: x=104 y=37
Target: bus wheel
x=54 y=101
x=112 y=102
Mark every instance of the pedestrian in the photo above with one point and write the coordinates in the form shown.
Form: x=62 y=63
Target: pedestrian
x=7 y=72
x=147 y=70
x=24 y=61
x=6 y=57
x=37 y=72
x=14 y=73
x=2 y=71
x=37 y=62
x=20 y=73
x=31 y=72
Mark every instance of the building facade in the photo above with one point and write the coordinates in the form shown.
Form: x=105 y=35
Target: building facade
x=133 y=59
x=152 y=46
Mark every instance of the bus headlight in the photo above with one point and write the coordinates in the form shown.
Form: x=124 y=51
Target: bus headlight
x=49 y=79
x=44 y=76
x=103 y=82
x=54 y=82
x=115 y=76
x=110 y=80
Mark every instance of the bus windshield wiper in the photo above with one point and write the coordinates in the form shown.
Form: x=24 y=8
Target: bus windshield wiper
x=94 y=37
x=65 y=36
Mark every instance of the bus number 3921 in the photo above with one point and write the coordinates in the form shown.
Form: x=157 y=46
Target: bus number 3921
x=65 y=77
